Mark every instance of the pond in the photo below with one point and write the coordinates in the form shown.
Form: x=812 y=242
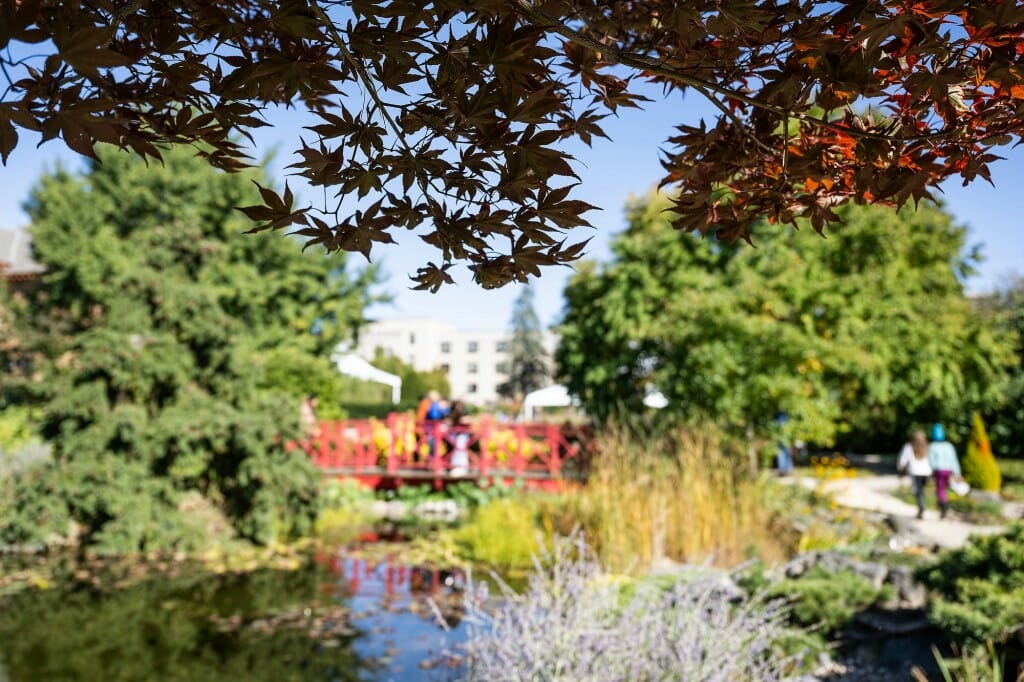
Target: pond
x=339 y=618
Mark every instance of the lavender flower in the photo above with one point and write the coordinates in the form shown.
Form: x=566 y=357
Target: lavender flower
x=576 y=622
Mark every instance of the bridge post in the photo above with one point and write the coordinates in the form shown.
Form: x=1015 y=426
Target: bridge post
x=437 y=454
x=485 y=446
x=519 y=464
x=555 y=461
x=392 y=463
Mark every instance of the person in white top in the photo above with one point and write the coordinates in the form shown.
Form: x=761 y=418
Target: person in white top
x=914 y=461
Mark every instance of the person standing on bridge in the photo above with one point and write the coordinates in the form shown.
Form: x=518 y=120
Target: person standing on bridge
x=945 y=465
x=914 y=462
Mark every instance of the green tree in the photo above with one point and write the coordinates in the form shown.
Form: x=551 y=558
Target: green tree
x=1008 y=419
x=867 y=331
x=415 y=384
x=458 y=117
x=527 y=359
x=153 y=323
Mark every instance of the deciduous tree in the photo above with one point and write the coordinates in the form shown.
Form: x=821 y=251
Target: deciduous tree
x=452 y=116
x=868 y=330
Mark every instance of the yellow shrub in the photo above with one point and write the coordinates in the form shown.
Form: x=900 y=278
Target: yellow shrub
x=979 y=466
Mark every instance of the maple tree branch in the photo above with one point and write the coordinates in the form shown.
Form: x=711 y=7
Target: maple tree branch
x=339 y=42
x=739 y=123
x=613 y=55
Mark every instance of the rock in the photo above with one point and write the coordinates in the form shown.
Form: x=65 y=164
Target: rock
x=893 y=622
x=875 y=572
x=799 y=565
x=909 y=593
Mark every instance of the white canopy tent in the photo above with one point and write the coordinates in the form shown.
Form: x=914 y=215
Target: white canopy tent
x=549 y=396
x=352 y=365
x=655 y=399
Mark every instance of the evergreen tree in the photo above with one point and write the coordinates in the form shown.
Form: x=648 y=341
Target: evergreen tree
x=147 y=336
x=527 y=359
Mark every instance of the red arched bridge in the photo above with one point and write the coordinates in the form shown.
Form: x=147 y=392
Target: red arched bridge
x=388 y=452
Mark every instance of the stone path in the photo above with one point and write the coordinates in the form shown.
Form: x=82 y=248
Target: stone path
x=875 y=493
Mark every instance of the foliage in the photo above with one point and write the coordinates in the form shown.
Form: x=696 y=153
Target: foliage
x=826 y=600
x=150 y=327
x=1013 y=479
x=171 y=629
x=979 y=466
x=504 y=533
x=415 y=384
x=527 y=359
x=457 y=117
x=1007 y=420
x=868 y=331
x=678 y=496
x=15 y=427
x=979 y=589
x=576 y=622
x=296 y=373
x=974 y=664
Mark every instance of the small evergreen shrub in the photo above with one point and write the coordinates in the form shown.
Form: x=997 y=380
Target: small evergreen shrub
x=979 y=589
x=979 y=466
x=825 y=600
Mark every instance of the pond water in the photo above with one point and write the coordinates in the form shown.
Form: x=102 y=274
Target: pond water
x=340 y=618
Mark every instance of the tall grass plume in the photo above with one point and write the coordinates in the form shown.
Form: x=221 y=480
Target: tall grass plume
x=679 y=496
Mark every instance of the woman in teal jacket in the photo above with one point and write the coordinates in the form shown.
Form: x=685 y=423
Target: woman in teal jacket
x=945 y=465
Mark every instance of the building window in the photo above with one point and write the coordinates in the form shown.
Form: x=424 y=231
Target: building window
x=446 y=368
x=473 y=346
x=471 y=368
x=502 y=346
x=446 y=347
x=412 y=339
x=471 y=388
x=501 y=368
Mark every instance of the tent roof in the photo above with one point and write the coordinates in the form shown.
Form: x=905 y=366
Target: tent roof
x=351 y=364
x=549 y=396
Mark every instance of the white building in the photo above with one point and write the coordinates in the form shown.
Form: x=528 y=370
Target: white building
x=476 y=362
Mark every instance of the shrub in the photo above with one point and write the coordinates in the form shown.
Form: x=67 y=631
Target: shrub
x=503 y=534
x=980 y=588
x=820 y=599
x=979 y=466
x=575 y=622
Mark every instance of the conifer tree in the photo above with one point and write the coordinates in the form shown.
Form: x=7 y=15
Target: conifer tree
x=527 y=359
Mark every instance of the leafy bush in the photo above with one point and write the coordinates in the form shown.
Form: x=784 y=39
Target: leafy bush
x=575 y=622
x=504 y=533
x=297 y=373
x=979 y=465
x=980 y=588
x=820 y=599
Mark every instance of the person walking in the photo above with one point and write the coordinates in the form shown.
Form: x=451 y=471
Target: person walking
x=945 y=466
x=914 y=462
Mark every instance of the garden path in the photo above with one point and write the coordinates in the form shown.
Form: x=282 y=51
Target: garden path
x=875 y=493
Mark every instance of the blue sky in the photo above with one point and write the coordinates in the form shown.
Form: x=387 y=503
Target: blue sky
x=610 y=172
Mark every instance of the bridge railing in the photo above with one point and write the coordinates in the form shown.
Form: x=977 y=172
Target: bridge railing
x=400 y=446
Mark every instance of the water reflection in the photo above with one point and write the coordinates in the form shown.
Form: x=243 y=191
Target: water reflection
x=339 y=619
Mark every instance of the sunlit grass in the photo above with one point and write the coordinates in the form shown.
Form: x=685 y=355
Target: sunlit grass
x=677 y=497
